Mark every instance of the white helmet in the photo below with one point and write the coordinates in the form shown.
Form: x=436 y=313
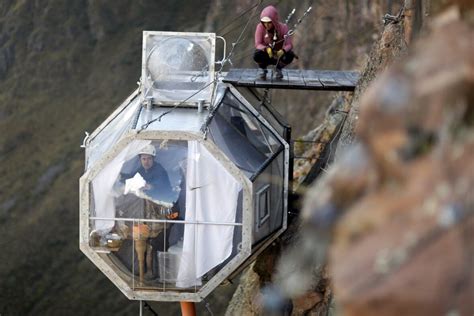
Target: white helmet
x=148 y=150
x=265 y=19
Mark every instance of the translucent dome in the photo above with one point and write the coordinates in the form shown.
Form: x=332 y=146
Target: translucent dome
x=178 y=67
x=177 y=56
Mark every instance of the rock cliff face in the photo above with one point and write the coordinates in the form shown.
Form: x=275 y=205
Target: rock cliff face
x=64 y=66
x=407 y=227
x=389 y=218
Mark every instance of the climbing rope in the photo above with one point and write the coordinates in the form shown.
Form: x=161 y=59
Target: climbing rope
x=250 y=51
x=293 y=30
x=224 y=61
x=239 y=39
x=205 y=126
x=235 y=19
x=240 y=24
x=288 y=18
x=227 y=59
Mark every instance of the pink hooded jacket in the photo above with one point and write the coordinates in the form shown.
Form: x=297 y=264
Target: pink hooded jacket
x=263 y=38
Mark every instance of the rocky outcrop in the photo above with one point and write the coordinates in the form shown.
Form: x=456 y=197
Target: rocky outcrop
x=300 y=276
x=392 y=215
x=396 y=202
x=389 y=48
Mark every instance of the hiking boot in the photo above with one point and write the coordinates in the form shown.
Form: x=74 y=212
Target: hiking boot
x=278 y=74
x=262 y=74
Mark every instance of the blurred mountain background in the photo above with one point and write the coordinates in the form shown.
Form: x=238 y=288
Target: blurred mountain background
x=66 y=65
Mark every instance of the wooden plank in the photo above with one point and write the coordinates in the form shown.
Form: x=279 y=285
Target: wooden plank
x=264 y=83
x=233 y=75
x=295 y=78
x=353 y=76
x=248 y=77
x=280 y=83
x=327 y=79
x=311 y=79
x=341 y=79
x=259 y=82
x=345 y=84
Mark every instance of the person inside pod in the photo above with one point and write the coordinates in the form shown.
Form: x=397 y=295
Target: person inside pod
x=148 y=194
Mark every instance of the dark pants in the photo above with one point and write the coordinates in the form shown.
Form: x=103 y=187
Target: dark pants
x=263 y=60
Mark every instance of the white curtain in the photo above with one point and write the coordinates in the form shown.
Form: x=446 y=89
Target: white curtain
x=103 y=184
x=211 y=196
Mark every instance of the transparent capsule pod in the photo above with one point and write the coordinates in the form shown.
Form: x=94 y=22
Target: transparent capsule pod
x=176 y=199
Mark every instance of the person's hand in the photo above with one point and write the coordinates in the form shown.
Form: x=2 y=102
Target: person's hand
x=172 y=215
x=269 y=52
x=280 y=53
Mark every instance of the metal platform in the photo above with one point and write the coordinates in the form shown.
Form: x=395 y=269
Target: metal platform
x=296 y=79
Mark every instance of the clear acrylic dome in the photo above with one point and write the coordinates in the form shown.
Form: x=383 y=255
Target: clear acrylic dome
x=177 y=56
x=178 y=67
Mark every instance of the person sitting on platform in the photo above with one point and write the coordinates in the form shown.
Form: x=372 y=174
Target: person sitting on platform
x=273 y=46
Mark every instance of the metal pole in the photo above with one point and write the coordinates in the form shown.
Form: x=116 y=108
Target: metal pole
x=141 y=308
x=188 y=309
x=126 y=219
